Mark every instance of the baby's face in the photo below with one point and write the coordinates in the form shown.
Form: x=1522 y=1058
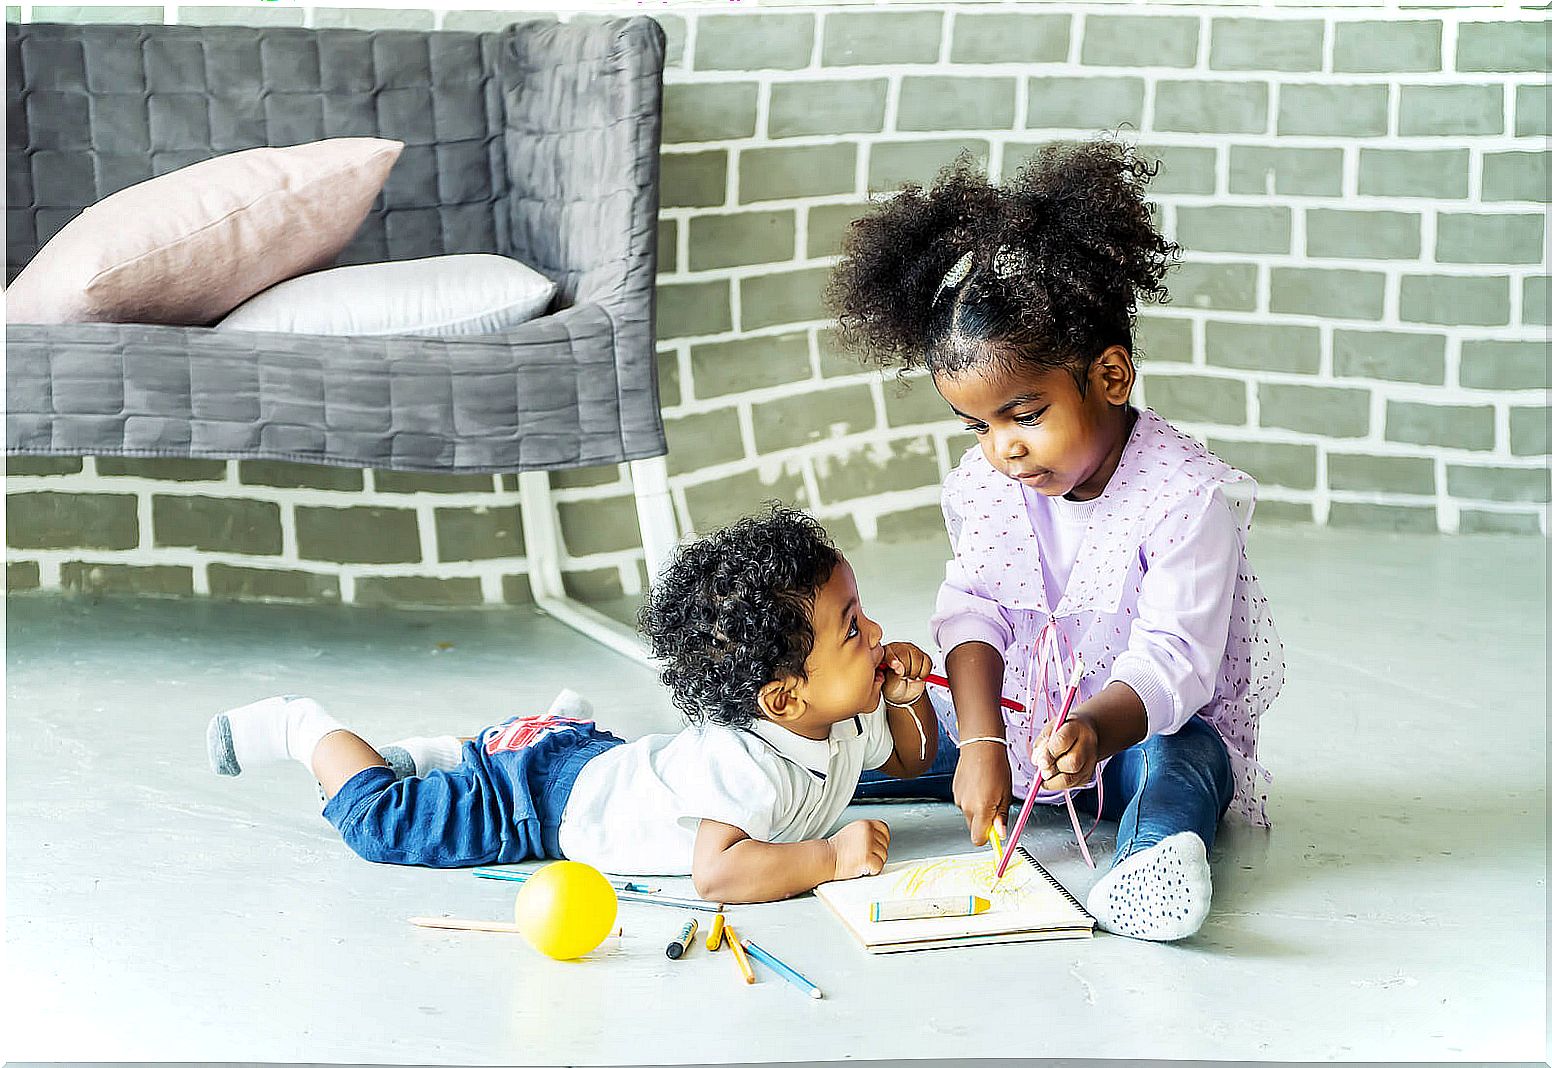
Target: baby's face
x=1035 y=427
x=845 y=667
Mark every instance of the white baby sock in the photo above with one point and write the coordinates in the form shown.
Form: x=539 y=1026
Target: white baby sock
x=570 y=703
x=1161 y=893
x=421 y=756
x=267 y=732
x=444 y=752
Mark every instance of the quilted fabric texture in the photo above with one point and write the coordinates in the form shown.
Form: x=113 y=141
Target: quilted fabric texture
x=538 y=142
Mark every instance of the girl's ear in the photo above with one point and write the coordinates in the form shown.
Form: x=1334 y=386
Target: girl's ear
x=779 y=700
x=1113 y=375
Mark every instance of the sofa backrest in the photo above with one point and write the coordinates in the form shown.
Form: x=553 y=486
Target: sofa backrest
x=94 y=108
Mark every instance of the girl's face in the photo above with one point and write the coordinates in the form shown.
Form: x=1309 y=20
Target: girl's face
x=1037 y=428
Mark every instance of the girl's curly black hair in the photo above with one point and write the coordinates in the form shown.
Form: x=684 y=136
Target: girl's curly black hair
x=1058 y=257
x=733 y=611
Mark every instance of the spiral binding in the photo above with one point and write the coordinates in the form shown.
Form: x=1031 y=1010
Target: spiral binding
x=1039 y=867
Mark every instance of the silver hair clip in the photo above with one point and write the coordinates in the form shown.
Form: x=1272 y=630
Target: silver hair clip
x=1009 y=262
x=956 y=274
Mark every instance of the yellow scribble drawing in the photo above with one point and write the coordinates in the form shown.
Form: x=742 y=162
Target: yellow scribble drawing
x=969 y=875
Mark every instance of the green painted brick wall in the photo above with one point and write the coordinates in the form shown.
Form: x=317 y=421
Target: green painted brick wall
x=1085 y=103
x=1267 y=44
x=871 y=39
x=1438 y=174
x=1450 y=110
x=1234 y=229
x=1333 y=110
x=1140 y=41
x=800 y=109
x=1215 y=107
x=1010 y=38
x=1388 y=47
x=1392 y=355
x=1358 y=320
x=929 y=104
x=1271 y=170
x=1333 y=233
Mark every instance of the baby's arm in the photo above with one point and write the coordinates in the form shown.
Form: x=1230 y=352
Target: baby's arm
x=732 y=867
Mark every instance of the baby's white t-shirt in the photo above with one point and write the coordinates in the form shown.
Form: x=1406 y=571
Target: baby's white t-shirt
x=635 y=809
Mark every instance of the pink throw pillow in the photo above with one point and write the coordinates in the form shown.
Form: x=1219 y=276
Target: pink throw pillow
x=187 y=247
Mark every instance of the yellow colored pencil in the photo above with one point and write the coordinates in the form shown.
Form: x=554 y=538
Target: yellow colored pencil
x=996 y=841
x=730 y=936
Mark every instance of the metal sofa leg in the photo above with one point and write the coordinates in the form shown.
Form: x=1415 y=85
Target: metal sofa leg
x=541 y=533
x=655 y=513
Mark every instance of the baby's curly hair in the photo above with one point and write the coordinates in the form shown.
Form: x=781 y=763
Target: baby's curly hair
x=1058 y=257
x=734 y=609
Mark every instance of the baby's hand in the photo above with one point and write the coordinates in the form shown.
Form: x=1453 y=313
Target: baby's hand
x=860 y=847
x=1067 y=758
x=904 y=666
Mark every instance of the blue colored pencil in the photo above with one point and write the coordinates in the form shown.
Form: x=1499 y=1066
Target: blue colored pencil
x=782 y=970
x=647 y=895
x=522 y=877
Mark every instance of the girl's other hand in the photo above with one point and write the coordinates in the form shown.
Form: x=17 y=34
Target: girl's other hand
x=1067 y=759
x=904 y=667
x=983 y=789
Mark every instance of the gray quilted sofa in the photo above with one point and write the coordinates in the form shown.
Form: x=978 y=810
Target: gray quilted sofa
x=539 y=142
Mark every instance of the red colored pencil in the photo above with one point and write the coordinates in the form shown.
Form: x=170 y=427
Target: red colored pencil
x=939 y=680
x=1029 y=799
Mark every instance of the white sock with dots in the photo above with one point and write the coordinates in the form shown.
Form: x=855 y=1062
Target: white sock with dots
x=1161 y=893
x=267 y=732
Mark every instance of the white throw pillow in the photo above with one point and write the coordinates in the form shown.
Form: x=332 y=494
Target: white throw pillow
x=442 y=296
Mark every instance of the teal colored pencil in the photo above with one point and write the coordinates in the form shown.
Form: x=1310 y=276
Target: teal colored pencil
x=782 y=970
x=522 y=877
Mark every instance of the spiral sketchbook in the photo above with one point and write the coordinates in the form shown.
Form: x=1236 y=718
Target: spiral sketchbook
x=1028 y=904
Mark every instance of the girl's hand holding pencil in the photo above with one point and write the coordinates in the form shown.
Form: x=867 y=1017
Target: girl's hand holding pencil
x=983 y=789
x=1067 y=758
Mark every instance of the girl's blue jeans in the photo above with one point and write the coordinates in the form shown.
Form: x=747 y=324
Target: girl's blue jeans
x=1167 y=784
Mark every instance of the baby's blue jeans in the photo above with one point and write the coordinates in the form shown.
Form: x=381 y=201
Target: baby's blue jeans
x=1167 y=784
x=494 y=808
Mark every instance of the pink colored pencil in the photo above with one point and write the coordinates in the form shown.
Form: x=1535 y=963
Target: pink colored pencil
x=1029 y=800
x=939 y=680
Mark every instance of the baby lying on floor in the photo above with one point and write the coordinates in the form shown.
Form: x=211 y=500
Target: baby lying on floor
x=791 y=694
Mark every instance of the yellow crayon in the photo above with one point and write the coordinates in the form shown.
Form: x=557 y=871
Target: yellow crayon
x=714 y=936
x=922 y=908
x=996 y=841
x=738 y=953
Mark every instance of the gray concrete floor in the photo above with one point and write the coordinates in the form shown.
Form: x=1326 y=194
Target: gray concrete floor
x=1396 y=911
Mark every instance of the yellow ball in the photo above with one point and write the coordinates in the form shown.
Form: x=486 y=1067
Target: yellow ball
x=566 y=909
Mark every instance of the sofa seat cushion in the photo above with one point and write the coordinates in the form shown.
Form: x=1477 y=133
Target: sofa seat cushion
x=439 y=296
x=186 y=247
